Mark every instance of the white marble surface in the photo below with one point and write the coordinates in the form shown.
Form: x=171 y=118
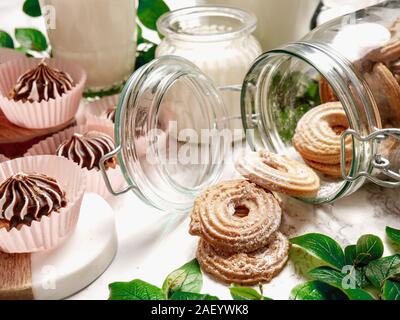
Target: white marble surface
x=151 y=243
x=58 y=273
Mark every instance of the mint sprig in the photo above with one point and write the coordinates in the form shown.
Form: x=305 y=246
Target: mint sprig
x=184 y=283
x=356 y=272
x=350 y=275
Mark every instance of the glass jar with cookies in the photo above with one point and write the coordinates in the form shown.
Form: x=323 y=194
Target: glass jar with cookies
x=322 y=117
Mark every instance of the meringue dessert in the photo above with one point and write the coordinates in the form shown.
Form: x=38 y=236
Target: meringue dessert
x=26 y=197
x=41 y=83
x=87 y=149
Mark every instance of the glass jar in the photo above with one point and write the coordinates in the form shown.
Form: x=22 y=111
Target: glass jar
x=216 y=39
x=280 y=87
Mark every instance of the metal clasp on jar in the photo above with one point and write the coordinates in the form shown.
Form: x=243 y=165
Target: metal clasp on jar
x=107 y=181
x=379 y=162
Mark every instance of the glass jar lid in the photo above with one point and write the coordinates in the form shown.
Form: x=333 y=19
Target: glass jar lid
x=168 y=125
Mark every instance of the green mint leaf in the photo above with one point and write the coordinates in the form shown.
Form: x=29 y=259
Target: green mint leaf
x=369 y=247
x=322 y=247
x=316 y=290
x=187 y=278
x=31 y=39
x=135 y=290
x=149 y=11
x=362 y=280
x=313 y=93
x=342 y=281
x=245 y=293
x=391 y=290
x=192 y=296
x=378 y=271
x=5 y=40
x=350 y=254
x=32 y=8
x=393 y=234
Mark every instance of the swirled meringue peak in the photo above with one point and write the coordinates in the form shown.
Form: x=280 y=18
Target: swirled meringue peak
x=87 y=149
x=26 y=197
x=41 y=83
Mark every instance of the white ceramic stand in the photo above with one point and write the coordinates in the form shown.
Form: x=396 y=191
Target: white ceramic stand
x=61 y=272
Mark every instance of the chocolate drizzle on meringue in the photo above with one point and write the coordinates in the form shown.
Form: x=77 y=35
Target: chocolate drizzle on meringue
x=87 y=149
x=41 y=84
x=110 y=114
x=27 y=197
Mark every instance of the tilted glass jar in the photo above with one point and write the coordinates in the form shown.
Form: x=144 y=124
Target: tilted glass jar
x=353 y=59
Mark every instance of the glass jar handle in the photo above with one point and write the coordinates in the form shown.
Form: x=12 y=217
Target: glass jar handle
x=103 y=170
x=379 y=162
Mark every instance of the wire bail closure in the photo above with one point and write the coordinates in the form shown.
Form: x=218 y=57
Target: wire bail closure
x=107 y=181
x=379 y=162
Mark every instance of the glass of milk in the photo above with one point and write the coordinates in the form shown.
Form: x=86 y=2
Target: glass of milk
x=100 y=35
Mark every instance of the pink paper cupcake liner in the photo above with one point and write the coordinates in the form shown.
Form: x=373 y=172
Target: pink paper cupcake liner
x=3 y=158
x=51 y=230
x=46 y=114
x=9 y=54
x=95 y=182
x=94 y=111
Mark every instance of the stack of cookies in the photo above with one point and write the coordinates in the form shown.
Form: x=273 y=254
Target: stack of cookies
x=238 y=224
x=238 y=221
